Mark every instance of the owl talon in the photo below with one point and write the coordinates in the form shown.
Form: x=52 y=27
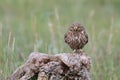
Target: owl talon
x=78 y=51
x=74 y=51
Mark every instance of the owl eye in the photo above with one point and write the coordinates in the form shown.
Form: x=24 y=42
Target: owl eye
x=71 y=29
x=79 y=29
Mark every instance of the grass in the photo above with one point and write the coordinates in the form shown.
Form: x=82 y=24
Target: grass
x=40 y=25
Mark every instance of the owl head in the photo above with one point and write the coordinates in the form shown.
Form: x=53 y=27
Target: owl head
x=76 y=27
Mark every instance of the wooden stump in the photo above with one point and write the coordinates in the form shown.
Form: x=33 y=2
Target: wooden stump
x=63 y=66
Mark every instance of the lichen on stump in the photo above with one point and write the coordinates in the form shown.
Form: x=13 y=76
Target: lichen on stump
x=64 y=66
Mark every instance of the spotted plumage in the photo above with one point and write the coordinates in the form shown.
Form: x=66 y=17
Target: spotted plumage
x=76 y=36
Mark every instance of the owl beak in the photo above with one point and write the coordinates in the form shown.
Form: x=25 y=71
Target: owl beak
x=75 y=28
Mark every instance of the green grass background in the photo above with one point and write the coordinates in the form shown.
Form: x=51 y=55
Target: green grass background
x=40 y=25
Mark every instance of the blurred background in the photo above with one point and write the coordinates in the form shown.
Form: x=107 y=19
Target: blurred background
x=40 y=25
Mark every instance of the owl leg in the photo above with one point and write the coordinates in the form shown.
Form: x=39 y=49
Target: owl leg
x=77 y=50
x=80 y=51
x=74 y=51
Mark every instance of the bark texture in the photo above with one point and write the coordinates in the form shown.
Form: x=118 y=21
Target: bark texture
x=63 y=66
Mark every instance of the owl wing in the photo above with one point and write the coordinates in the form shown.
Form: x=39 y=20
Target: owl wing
x=67 y=37
x=84 y=37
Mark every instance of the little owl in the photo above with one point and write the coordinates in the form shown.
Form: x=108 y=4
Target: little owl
x=76 y=37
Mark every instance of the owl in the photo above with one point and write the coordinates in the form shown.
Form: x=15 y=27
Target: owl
x=76 y=37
